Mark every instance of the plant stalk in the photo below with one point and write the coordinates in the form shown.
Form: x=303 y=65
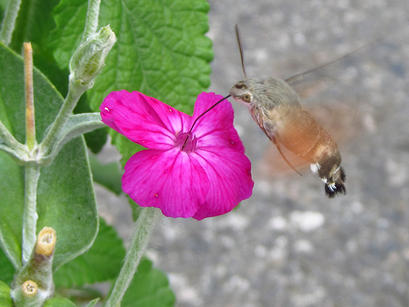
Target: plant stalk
x=28 y=78
x=139 y=241
x=30 y=216
x=33 y=283
x=75 y=89
x=91 y=22
x=7 y=138
x=73 y=95
x=9 y=21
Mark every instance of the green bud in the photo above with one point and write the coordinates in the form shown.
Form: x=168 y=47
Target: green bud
x=89 y=58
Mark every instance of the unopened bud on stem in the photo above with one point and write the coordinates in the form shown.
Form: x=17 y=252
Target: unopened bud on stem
x=89 y=58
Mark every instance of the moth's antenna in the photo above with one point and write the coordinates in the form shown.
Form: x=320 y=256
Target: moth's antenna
x=236 y=27
x=200 y=116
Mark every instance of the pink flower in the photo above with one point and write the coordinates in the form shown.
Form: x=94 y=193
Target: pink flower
x=208 y=177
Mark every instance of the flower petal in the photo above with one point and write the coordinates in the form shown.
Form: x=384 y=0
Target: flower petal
x=221 y=154
x=229 y=174
x=215 y=129
x=217 y=119
x=169 y=180
x=143 y=119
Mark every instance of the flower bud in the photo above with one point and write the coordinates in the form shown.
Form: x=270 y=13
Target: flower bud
x=89 y=58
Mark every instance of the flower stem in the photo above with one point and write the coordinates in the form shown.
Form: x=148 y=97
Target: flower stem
x=9 y=21
x=76 y=89
x=32 y=173
x=140 y=237
x=73 y=95
x=91 y=23
x=28 y=78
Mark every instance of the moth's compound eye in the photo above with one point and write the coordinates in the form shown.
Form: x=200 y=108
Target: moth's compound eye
x=240 y=86
x=246 y=97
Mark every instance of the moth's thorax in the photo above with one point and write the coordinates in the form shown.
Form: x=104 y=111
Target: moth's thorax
x=266 y=93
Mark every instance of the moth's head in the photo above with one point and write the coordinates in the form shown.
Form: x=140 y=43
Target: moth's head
x=268 y=93
x=241 y=92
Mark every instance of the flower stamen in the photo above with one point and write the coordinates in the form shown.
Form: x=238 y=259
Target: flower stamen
x=194 y=123
x=187 y=141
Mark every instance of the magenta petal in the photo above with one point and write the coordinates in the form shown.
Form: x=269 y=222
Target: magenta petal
x=229 y=175
x=221 y=154
x=215 y=130
x=217 y=119
x=170 y=180
x=143 y=119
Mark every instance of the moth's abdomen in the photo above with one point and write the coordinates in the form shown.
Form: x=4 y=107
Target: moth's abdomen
x=326 y=160
x=337 y=185
x=331 y=172
x=299 y=132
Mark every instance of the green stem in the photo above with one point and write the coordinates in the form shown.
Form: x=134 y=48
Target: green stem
x=91 y=22
x=9 y=21
x=15 y=154
x=7 y=138
x=73 y=95
x=140 y=237
x=75 y=89
x=32 y=173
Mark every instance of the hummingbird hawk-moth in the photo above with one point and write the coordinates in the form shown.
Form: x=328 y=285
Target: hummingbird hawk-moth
x=276 y=108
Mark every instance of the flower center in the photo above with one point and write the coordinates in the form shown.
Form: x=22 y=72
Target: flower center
x=186 y=141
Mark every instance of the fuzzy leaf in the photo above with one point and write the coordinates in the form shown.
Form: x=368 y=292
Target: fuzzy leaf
x=93 y=302
x=33 y=24
x=5 y=298
x=161 y=50
x=77 y=125
x=101 y=262
x=95 y=139
x=33 y=21
x=59 y=302
x=149 y=287
x=6 y=269
x=65 y=199
x=3 y=5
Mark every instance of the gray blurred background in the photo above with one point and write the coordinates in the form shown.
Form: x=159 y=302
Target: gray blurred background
x=289 y=245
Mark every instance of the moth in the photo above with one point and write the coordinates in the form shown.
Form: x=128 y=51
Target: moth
x=275 y=107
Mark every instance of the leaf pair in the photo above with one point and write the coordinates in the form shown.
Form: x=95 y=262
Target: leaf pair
x=65 y=193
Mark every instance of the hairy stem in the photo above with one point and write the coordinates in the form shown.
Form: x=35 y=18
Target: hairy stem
x=10 y=16
x=140 y=238
x=91 y=23
x=73 y=95
x=76 y=89
x=33 y=283
x=7 y=138
x=28 y=78
x=32 y=173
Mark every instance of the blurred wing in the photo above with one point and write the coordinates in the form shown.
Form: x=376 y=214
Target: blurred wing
x=335 y=93
x=320 y=76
